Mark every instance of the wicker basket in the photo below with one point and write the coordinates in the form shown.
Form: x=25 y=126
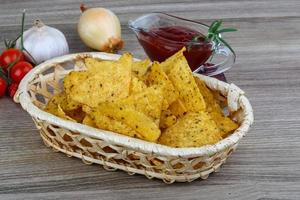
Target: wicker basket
x=116 y=151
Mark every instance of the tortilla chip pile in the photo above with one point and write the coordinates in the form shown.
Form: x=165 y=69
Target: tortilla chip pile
x=158 y=102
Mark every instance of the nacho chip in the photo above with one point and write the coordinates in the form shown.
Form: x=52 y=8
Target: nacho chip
x=168 y=64
x=141 y=123
x=192 y=130
x=148 y=102
x=167 y=119
x=140 y=68
x=182 y=78
x=65 y=102
x=70 y=104
x=94 y=87
x=178 y=108
x=74 y=78
x=54 y=108
x=225 y=124
x=53 y=103
x=107 y=123
x=89 y=121
x=206 y=93
x=158 y=77
x=136 y=85
x=96 y=65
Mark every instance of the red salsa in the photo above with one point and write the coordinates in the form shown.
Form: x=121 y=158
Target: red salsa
x=162 y=42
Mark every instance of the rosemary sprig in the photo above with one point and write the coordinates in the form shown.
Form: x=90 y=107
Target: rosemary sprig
x=213 y=34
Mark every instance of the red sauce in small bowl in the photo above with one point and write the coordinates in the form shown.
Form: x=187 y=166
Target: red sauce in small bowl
x=162 y=42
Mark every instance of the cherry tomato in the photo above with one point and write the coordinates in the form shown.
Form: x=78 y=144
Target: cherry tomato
x=12 y=88
x=3 y=86
x=9 y=56
x=19 y=70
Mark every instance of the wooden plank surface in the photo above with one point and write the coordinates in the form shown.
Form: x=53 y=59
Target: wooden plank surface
x=267 y=162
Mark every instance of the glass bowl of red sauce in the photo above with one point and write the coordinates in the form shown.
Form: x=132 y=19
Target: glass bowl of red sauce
x=162 y=35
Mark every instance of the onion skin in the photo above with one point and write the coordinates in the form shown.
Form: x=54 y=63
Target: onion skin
x=100 y=29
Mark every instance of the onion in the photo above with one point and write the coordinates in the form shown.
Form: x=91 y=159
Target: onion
x=100 y=29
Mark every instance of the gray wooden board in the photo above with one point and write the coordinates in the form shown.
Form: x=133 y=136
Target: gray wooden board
x=267 y=162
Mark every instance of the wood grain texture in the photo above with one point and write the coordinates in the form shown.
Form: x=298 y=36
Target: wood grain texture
x=267 y=162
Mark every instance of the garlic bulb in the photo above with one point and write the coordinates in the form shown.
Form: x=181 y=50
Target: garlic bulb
x=43 y=42
x=100 y=29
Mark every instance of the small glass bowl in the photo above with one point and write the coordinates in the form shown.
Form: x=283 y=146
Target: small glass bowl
x=199 y=55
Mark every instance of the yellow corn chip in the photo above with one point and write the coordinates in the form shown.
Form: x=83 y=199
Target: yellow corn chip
x=96 y=65
x=225 y=124
x=55 y=107
x=192 y=130
x=168 y=64
x=142 y=124
x=178 y=108
x=87 y=120
x=140 y=68
x=148 y=102
x=110 y=84
x=167 y=119
x=111 y=124
x=182 y=78
x=136 y=85
x=158 y=77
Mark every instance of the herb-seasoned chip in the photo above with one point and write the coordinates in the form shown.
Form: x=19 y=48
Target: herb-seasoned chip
x=54 y=108
x=141 y=123
x=94 y=65
x=70 y=104
x=168 y=64
x=87 y=120
x=148 y=102
x=167 y=119
x=111 y=124
x=140 y=68
x=53 y=102
x=158 y=77
x=136 y=85
x=182 y=78
x=225 y=124
x=178 y=108
x=109 y=84
x=206 y=93
x=57 y=106
x=192 y=130
x=74 y=78
x=66 y=103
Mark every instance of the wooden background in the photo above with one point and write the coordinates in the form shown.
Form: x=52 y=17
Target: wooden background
x=267 y=162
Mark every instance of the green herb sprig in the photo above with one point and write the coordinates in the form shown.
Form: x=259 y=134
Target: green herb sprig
x=214 y=35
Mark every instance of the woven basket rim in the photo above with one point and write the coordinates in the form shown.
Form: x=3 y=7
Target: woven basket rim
x=122 y=140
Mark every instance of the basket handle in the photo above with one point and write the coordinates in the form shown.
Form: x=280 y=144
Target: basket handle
x=16 y=97
x=233 y=97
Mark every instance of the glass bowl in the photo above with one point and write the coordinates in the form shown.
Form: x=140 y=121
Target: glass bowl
x=203 y=56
